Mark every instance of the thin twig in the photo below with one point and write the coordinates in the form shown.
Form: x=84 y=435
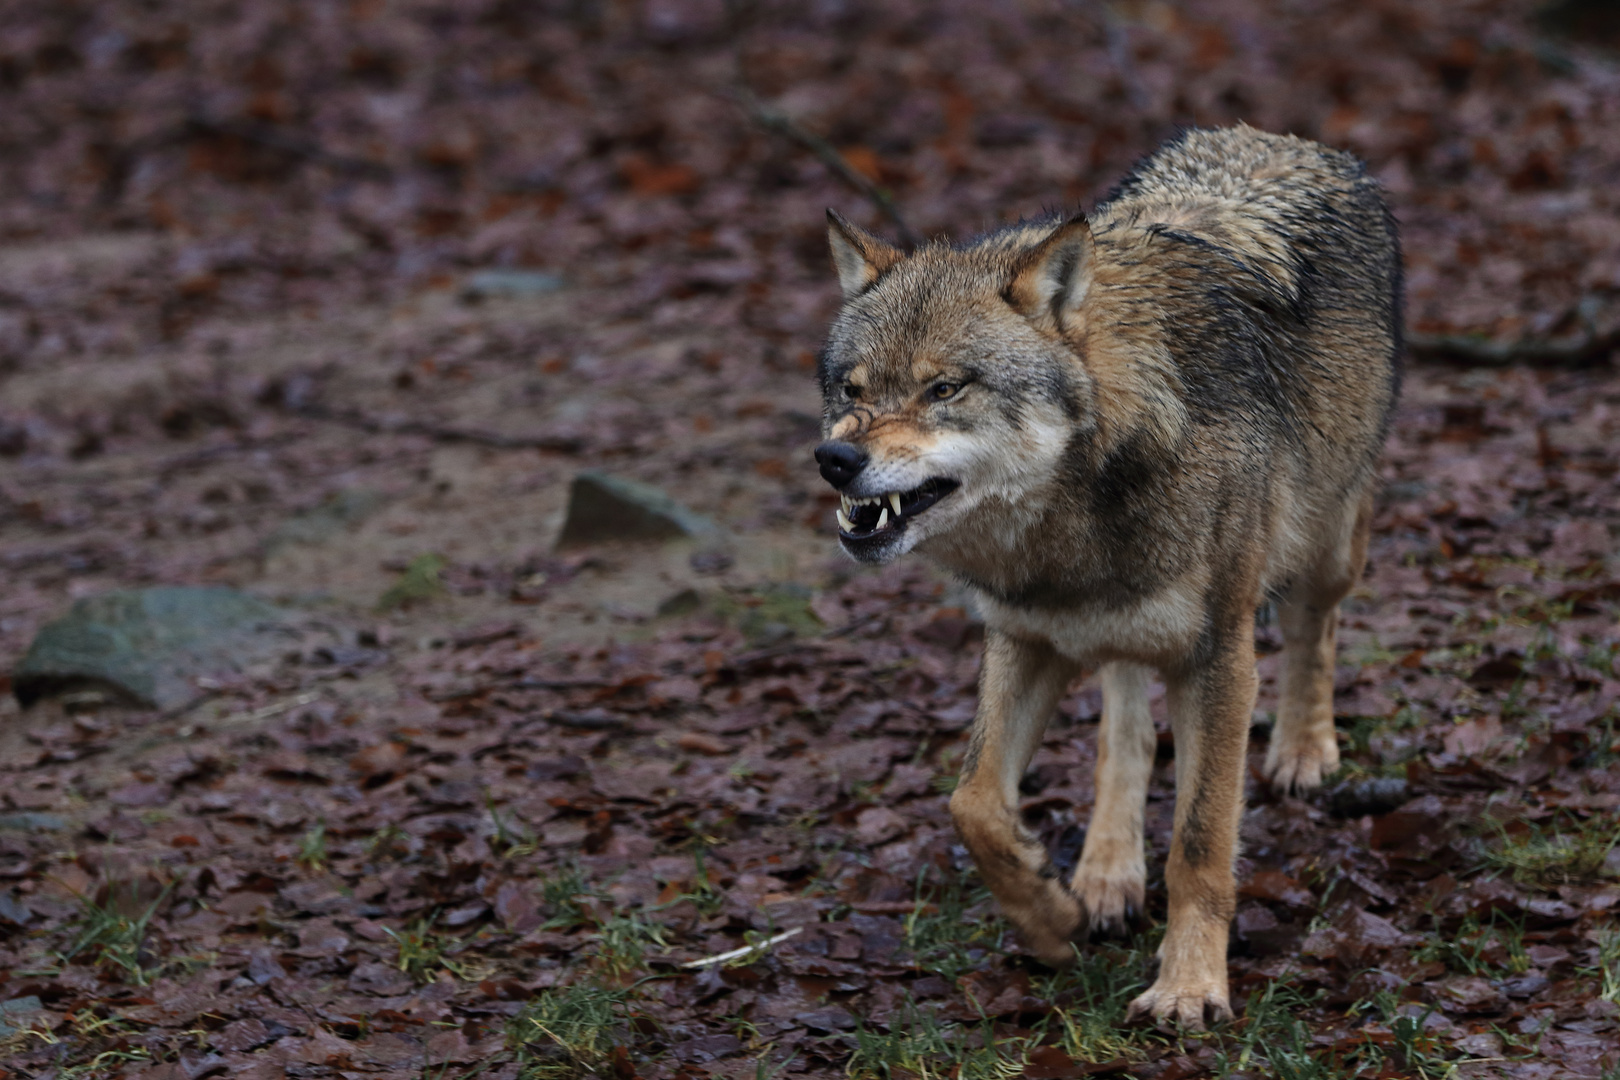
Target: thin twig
x=738 y=954
x=773 y=119
x=390 y=425
x=1571 y=349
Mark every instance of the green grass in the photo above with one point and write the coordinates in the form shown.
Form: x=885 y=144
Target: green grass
x=511 y=841
x=1565 y=852
x=1495 y=950
x=561 y=896
x=1413 y=1053
x=1091 y=998
x=424 y=952
x=703 y=894
x=951 y=932
x=419 y=582
x=312 y=848
x=918 y=1045
x=941 y=935
x=626 y=939
x=107 y=933
x=1272 y=1032
x=571 y=1031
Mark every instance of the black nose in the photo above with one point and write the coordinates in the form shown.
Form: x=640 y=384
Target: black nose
x=840 y=462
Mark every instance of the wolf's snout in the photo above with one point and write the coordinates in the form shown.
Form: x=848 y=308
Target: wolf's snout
x=840 y=462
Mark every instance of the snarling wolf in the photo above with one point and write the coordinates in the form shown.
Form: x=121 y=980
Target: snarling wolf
x=1125 y=434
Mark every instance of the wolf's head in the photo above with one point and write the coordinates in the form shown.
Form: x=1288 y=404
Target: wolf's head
x=952 y=383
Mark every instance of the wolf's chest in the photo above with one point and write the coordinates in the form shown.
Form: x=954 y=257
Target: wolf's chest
x=1152 y=630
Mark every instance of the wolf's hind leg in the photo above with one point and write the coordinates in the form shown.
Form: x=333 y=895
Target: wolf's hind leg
x=1019 y=689
x=1304 y=747
x=1111 y=880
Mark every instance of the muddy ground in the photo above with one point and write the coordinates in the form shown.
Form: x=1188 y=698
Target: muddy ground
x=243 y=341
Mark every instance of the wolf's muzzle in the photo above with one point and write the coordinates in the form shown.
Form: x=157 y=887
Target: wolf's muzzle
x=840 y=462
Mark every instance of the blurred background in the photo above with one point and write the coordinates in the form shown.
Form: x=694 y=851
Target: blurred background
x=241 y=244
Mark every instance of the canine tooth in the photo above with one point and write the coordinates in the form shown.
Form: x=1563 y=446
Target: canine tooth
x=844 y=522
x=883 y=518
x=894 y=501
x=848 y=506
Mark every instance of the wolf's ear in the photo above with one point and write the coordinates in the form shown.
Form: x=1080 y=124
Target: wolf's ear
x=857 y=255
x=1056 y=274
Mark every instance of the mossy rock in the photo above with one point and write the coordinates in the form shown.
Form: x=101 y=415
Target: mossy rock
x=148 y=646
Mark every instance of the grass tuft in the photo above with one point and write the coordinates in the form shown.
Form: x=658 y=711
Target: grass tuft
x=1566 y=852
x=106 y=931
x=419 y=582
x=917 y=1045
x=940 y=932
x=570 y=1031
x=1092 y=997
x=312 y=848
x=423 y=952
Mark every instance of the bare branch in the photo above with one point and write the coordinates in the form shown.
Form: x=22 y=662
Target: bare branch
x=1579 y=348
x=401 y=425
x=773 y=119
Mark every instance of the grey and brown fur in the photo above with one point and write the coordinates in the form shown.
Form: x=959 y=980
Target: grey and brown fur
x=1159 y=418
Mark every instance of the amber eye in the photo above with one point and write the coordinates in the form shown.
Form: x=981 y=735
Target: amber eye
x=941 y=391
x=852 y=391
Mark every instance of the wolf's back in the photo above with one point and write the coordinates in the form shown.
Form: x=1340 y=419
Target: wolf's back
x=1275 y=264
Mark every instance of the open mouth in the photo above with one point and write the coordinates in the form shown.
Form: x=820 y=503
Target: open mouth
x=874 y=515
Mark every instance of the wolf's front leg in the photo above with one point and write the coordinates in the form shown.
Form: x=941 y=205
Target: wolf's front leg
x=1210 y=708
x=1111 y=879
x=1019 y=689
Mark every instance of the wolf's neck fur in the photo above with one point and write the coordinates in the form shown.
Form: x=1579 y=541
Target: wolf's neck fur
x=1089 y=532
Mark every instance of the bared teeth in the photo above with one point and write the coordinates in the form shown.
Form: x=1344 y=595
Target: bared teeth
x=883 y=519
x=844 y=522
x=894 y=501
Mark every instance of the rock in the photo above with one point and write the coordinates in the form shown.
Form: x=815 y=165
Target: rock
x=509 y=284
x=34 y=821
x=603 y=508
x=14 y=1015
x=149 y=646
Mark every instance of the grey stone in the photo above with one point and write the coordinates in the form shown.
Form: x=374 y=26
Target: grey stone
x=148 y=646
x=33 y=821
x=510 y=284
x=14 y=1015
x=603 y=508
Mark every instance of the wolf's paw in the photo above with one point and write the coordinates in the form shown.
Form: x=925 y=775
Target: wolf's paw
x=1049 y=924
x=1111 y=896
x=1193 y=1004
x=1300 y=763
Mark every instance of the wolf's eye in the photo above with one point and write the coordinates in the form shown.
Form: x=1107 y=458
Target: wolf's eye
x=944 y=390
x=852 y=391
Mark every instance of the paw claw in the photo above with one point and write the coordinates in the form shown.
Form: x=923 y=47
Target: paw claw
x=1110 y=892
x=1297 y=765
x=1110 y=900
x=1190 y=1008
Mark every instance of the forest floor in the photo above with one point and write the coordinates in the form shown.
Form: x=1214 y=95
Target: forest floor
x=514 y=826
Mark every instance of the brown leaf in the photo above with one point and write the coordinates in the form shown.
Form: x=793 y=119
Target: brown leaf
x=1279 y=888
x=378 y=760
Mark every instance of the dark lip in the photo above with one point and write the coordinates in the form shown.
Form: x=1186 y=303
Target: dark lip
x=913 y=502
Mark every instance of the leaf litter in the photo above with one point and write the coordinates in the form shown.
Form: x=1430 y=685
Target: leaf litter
x=626 y=813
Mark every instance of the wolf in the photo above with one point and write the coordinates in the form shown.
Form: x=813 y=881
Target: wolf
x=1125 y=434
